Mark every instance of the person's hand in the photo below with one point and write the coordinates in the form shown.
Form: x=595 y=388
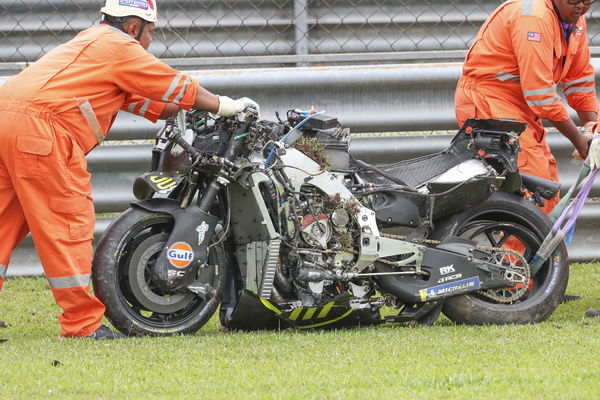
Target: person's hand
x=593 y=158
x=229 y=107
x=576 y=154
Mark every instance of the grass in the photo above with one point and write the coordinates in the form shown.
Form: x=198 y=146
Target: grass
x=557 y=359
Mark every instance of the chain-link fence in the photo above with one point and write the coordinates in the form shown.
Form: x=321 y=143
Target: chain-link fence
x=277 y=32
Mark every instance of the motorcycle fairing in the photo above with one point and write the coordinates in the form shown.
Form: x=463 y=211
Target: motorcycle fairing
x=187 y=246
x=253 y=313
x=147 y=184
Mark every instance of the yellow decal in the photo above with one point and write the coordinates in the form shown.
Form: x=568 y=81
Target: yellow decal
x=423 y=293
x=163 y=182
x=326 y=308
x=296 y=313
x=309 y=313
x=270 y=306
x=326 y=322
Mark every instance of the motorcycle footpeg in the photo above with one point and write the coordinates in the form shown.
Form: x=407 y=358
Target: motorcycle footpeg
x=203 y=290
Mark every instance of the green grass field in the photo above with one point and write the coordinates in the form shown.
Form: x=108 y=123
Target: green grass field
x=557 y=359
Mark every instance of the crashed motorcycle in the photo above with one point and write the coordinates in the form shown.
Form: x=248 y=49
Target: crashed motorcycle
x=277 y=223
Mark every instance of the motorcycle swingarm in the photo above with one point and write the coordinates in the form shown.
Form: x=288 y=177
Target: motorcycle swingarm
x=453 y=268
x=187 y=246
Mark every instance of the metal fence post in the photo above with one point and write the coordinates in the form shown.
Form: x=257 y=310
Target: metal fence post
x=301 y=45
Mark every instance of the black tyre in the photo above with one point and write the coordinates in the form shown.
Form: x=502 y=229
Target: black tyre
x=134 y=305
x=500 y=218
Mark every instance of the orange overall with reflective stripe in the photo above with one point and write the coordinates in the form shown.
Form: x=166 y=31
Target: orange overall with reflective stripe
x=514 y=69
x=51 y=115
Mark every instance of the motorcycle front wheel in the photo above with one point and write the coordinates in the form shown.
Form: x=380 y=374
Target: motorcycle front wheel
x=135 y=306
x=510 y=221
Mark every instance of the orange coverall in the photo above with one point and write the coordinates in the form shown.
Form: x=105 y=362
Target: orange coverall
x=51 y=115
x=513 y=69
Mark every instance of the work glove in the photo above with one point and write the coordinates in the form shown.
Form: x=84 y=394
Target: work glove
x=229 y=107
x=593 y=158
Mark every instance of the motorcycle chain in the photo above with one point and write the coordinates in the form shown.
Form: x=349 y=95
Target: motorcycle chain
x=499 y=254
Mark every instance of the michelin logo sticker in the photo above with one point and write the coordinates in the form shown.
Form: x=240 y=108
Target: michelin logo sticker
x=450 y=288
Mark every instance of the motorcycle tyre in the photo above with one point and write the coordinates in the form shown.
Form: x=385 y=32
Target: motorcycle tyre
x=468 y=309
x=106 y=287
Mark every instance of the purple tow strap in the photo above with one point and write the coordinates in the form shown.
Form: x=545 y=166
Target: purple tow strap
x=576 y=205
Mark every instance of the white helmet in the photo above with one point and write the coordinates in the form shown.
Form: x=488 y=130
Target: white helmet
x=145 y=9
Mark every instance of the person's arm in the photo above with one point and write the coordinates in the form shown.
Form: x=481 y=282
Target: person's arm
x=571 y=132
x=579 y=81
x=169 y=110
x=588 y=119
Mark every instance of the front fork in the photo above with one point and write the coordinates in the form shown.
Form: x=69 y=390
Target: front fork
x=186 y=250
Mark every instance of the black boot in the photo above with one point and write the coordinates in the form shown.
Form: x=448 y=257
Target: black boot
x=104 y=332
x=592 y=312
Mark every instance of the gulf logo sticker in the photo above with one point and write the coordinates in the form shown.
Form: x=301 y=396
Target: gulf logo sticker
x=180 y=254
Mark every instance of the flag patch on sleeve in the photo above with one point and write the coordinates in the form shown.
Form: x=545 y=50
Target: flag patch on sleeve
x=534 y=36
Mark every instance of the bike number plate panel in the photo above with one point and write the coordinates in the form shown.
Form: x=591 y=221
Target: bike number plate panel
x=161 y=182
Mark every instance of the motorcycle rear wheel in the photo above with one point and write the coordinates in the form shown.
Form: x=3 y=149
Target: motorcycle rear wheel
x=491 y=223
x=136 y=307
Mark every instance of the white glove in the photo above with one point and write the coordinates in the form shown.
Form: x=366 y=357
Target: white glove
x=593 y=158
x=229 y=107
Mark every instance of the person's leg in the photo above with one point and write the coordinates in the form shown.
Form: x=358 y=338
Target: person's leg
x=13 y=227
x=53 y=186
x=536 y=159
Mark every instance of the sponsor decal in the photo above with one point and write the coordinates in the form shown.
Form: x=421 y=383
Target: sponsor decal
x=163 y=182
x=534 y=36
x=201 y=229
x=180 y=254
x=450 y=288
x=141 y=4
x=449 y=278
x=447 y=269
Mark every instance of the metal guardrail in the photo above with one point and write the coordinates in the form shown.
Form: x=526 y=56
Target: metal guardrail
x=375 y=98
x=272 y=28
x=114 y=168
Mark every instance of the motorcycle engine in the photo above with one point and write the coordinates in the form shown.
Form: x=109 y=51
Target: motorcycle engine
x=326 y=244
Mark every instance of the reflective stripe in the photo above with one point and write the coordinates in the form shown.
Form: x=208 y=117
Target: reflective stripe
x=187 y=82
x=539 y=92
x=543 y=102
x=70 y=281
x=144 y=108
x=132 y=107
x=92 y=121
x=2 y=271
x=172 y=88
x=505 y=76
x=586 y=89
x=582 y=80
x=527 y=7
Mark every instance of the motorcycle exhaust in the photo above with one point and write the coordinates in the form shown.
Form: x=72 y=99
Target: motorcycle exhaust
x=545 y=187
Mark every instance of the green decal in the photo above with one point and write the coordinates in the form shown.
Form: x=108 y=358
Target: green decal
x=309 y=313
x=270 y=306
x=326 y=322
